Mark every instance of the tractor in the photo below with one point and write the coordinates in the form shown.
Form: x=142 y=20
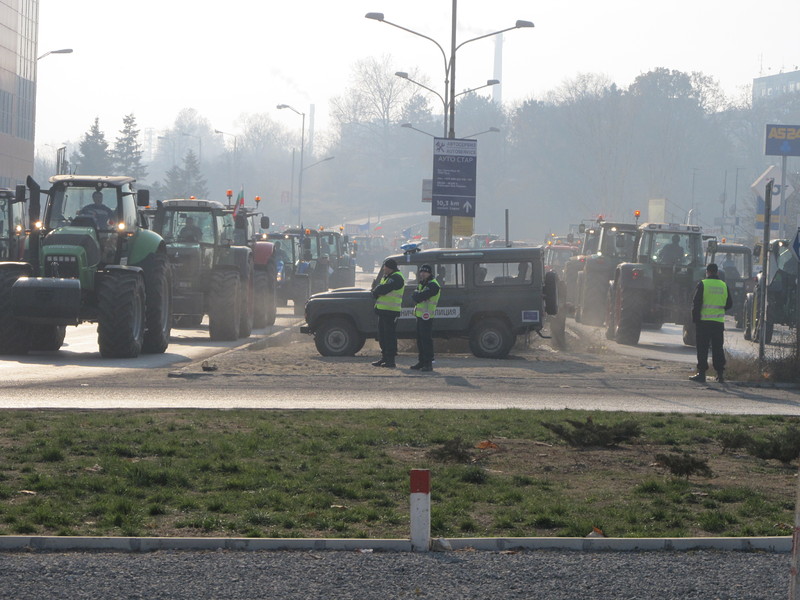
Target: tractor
x=88 y=258
x=214 y=272
x=658 y=287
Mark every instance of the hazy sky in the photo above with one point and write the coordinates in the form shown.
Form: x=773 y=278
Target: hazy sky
x=153 y=58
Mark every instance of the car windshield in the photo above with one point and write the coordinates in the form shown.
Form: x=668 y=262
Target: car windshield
x=87 y=205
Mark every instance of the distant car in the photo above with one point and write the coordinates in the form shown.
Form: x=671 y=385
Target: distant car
x=489 y=296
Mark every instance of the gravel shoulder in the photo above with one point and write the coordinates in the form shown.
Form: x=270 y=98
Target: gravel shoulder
x=587 y=356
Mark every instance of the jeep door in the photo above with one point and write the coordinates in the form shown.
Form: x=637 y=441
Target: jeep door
x=449 y=318
x=505 y=289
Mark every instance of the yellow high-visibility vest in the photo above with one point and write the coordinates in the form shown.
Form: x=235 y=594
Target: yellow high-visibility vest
x=394 y=299
x=427 y=308
x=715 y=296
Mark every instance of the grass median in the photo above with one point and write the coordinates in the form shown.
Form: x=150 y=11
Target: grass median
x=507 y=473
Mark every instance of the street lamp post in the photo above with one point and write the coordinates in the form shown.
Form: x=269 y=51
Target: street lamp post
x=36 y=76
x=450 y=79
x=490 y=130
x=411 y=126
x=302 y=148
x=199 y=145
x=61 y=51
x=235 y=151
x=166 y=138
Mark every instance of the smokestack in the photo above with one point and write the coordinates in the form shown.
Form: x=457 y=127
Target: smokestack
x=497 y=90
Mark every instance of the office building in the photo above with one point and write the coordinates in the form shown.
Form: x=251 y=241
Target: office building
x=19 y=21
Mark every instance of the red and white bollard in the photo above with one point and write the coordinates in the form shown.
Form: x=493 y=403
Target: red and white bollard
x=420 y=510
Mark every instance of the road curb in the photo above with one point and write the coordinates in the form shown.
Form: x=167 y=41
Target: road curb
x=194 y=370
x=151 y=544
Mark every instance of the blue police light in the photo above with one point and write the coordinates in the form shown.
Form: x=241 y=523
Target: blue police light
x=410 y=247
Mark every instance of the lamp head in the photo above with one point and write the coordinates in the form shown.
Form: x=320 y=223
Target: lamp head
x=521 y=24
x=375 y=16
x=280 y=106
x=401 y=74
x=492 y=81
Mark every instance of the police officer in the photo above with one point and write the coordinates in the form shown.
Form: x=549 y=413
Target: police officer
x=425 y=298
x=388 y=294
x=711 y=299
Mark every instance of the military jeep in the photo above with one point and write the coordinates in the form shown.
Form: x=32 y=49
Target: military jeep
x=489 y=296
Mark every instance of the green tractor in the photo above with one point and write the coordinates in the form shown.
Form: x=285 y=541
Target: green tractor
x=214 y=269
x=12 y=225
x=781 y=293
x=658 y=287
x=88 y=258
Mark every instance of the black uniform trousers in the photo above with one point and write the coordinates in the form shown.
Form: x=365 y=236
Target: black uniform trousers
x=710 y=333
x=387 y=333
x=425 y=340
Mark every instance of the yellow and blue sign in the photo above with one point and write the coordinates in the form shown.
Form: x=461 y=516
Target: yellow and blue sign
x=782 y=140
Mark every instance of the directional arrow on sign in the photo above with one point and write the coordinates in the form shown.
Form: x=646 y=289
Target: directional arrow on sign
x=467 y=207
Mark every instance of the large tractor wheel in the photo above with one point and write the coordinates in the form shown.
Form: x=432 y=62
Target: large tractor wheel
x=158 y=304
x=631 y=311
x=747 y=317
x=260 y=299
x=224 y=306
x=121 y=308
x=266 y=300
x=491 y=338
x=47 y=338
x=272 y=293
x=248 y=302
x=611 y=314
x=338 y=337
x=689 y=334
x=592 y=308
x=15 y=335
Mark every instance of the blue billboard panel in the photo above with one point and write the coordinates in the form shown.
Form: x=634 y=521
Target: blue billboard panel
x=782 y=140
x=455 y=165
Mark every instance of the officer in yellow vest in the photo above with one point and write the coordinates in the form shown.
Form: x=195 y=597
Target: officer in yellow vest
x=425 y=298
x=711 y=299
x=388 y=294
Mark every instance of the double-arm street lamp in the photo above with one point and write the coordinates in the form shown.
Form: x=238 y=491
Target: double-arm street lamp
x=300 y=176
x=448 y=98
x=404 y=75
x=449 y=82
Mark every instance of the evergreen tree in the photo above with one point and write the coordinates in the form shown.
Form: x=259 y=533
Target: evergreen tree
x=195 y=182
x=185 y=181
x=127 y=152
x=93 y=157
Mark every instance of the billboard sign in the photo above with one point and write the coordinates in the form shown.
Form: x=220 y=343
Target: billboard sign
x=455 y=164
x=782 y=140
